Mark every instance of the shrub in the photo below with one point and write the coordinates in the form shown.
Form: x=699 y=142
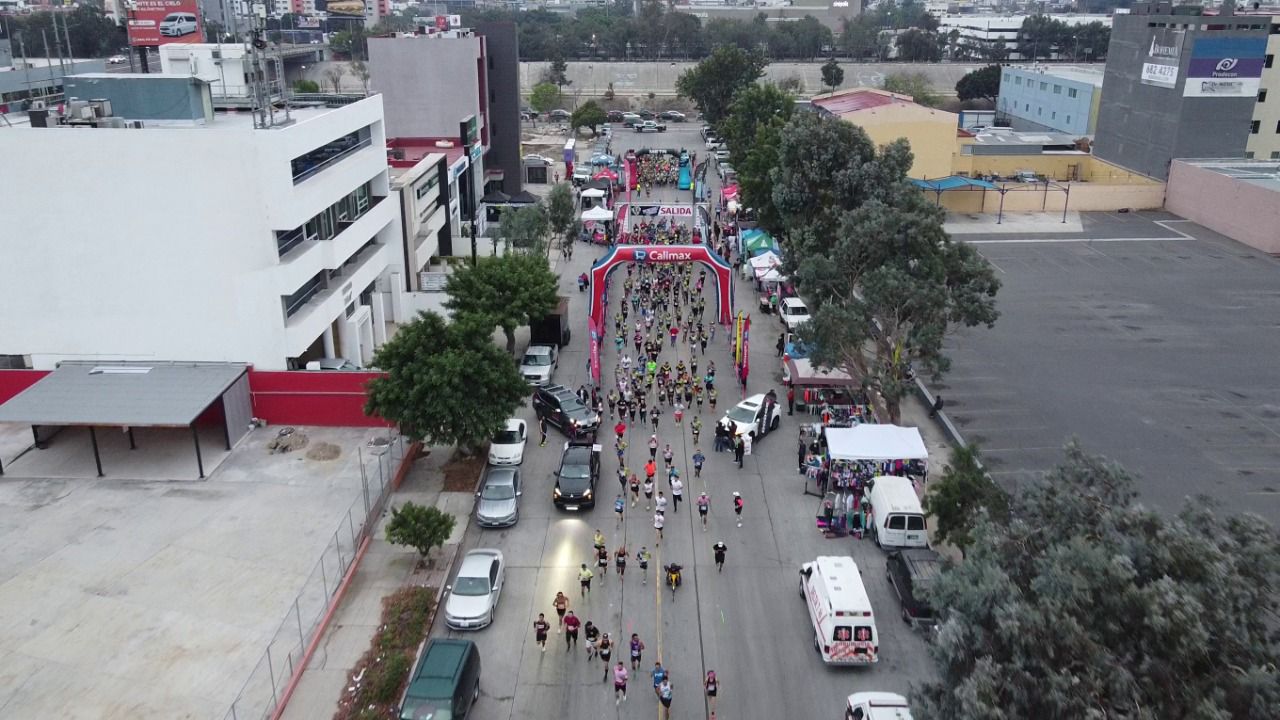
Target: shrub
x=385 y=678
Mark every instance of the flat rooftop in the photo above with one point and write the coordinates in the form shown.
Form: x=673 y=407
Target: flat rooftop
x=1263 y=173
x=1003 y=137
x=1087 y=75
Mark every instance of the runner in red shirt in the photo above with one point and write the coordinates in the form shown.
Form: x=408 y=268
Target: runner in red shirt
x=571 y=625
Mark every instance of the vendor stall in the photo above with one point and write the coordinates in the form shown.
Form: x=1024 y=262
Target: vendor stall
x=853 y=456
x=829 y=393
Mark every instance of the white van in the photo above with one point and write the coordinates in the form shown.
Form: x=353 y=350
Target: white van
x=877 y=706
x=844 y=627
x=178 y=24
x=896 y=519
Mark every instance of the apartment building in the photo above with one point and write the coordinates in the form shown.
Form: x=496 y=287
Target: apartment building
x=989 y=35
x=1051 y=98
x=263 y=238
x=1264 y=128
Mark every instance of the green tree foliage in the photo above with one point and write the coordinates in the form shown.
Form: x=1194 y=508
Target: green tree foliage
x=419 y=527
x=446 y=383
x=868 y=252
x=869 y=35
x=712 y=84
x=545 y=96
x=306 y=86
x=802 y=39
x=507 y=291
x=916 y=85
x=561 y=211
x=557 y=73
x=589 y=115
x=525 y=227
x=92 y=34
x=1085 y=604
x=961 y=496
x=352 y=42
x=981 y=84
x=752 y=130
x=1042 y=36
x=917 y=45
x=832 y=74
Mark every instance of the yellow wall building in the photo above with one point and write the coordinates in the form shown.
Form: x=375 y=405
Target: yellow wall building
x=887 y=116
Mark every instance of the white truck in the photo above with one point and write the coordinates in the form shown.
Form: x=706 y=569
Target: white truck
x=844 y=625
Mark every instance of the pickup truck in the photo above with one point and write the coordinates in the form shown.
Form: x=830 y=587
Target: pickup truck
x=651 y=126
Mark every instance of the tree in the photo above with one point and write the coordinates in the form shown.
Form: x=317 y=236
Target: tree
x=981 y=84
x=306 y=86
x=751 y=130
x=958 y=500
x=507 y=291
x=914 y=84
x=446 y=383
x=334 y=76
x=1040 y=35
x=560 y=211
x=352 y=42
x=525 y=227
x=712 y=84
x=1085 y=604
x=557 y=73
x=361 y=71
x=868 y=251
x=590 y=115
x=545 y=96
x=832 y=74
x=919 y=46
x=419 y=527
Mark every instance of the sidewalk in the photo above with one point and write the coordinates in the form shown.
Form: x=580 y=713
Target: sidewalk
x=384 y=569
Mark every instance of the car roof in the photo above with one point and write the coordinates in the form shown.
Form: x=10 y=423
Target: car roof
x=539 y=349
x=500 y=475
x=883 y=705
x=513 y=424
x=476 y=563
x=753 y=402
x=843 y=582
x=791 y=301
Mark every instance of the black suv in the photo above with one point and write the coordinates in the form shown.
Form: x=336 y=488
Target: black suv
x=562 y=409
x=910 y=572
x=614 y=116
x=577 y=476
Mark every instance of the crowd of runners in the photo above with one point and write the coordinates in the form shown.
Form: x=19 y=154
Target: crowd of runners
x=657 y=168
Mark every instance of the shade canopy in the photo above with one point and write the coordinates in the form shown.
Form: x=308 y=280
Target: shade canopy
x=598 y=214
x=593 y=193
x=766 y=259
x=804 y=373
x=771 y=275
x=496 y=197
x=876 y=442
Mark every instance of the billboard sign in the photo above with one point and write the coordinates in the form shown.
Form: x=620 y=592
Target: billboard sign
x=1225 y=67
x=342 y=8
x=1161 y=66
x=159 y=22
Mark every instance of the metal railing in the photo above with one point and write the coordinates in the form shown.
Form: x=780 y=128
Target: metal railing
x=299 y=299
x=261 y=693
x=311 y=170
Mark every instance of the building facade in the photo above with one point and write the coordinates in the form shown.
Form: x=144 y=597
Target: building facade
x=887 y=116
x=1050 y=98
x=426 y=218
x=209 y=239
x=983 y=36
x=1179 y=86
x=503 y=167
x=1264 y=129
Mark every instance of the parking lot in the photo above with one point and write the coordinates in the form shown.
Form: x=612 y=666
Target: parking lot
x=1150 y=339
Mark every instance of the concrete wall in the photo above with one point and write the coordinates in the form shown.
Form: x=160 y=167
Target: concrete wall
x=1037 y=198
x=1054 y=166
x=1266 y=144
x=430 y=84
x=1241 y=210
x=1050 y=109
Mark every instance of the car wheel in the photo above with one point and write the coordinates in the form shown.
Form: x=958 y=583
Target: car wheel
x=774 y=425
x=801 y=588
x=817 y=645
x=906 y=616
x=475 y=693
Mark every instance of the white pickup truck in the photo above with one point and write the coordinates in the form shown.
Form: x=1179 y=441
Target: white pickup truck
x=651 y=126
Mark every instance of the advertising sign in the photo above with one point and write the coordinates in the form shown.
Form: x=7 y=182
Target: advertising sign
x=1159 y=75
x=160 y=22
x=1163 y=55
x=664 y=211
x=1225 y=67
x=342 y=8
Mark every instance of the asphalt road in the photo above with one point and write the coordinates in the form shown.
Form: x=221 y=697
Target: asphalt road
x=747 y=623
x=1149 y=338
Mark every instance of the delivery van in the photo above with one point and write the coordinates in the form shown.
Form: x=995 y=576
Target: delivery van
x=896 y=518
x=876 y=706
x=844 y=626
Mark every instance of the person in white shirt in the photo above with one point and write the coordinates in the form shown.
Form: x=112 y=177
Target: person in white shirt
x=677 y=492
x=658 y=521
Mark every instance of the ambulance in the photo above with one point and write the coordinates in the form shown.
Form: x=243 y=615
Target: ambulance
x=844 y=626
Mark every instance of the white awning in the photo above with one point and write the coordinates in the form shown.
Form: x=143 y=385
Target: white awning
x=876 y=442
x=770 y=275
x=598 y=214
x=593 y=193
x=766 y=259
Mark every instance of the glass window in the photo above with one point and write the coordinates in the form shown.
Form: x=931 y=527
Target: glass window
x=1057 y=89
x=1068 y=119
x=1053 y=115
x=1039 y=111
x=1262 y=95
x=1267 y=62
x=1071 y=92
x=1275 y=154
x=1017 y=81
x=1254 y=127
x=1248 y=155
x=915 y=522
x=1044 y=85
x=842 y=633
x=897 y=522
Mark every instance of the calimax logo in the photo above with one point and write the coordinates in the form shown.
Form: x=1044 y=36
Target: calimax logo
x=1164 y=51
x=661 y=256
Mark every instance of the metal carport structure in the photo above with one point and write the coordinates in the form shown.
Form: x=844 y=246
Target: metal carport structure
x=131 y=395
x=952 y=183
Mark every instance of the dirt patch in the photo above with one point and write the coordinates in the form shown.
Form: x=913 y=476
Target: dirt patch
x=324 y=451
x=375 y=685
x=462 y=473
x=287 y=440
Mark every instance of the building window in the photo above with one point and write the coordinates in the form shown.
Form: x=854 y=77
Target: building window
x=1248 y=154
x=1275 y=154
x=1057 y=89
x=1039 y=111
x=1044 y=86
x=1068 y=119
x=1053 y=115
x=1270 y=59
x=1254 y=127
x=1278 y=127
x=1262 y=95
x=1026 y=107
x=1071 y=92
x=1017 y=81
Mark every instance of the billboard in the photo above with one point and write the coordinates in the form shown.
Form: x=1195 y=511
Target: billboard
x=1161 y=66
x=342 y=8
x=1225 y=67
x=160 y=22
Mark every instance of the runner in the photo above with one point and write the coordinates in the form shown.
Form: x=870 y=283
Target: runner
x=660 y=504
x=664 y=696
x=704 y=506
x=602 y=562
x=637 y=648
x=677 y=492
x=737 y=506
x=635 y=490
x=619 y=682
x=667 y=455
x=561 y=604
x=591 y=635
x=620 y=560
x=605 y=650
x=619 y=505
x=653 y=448
x=540 y=628
x=643 y=558
x=659 y=674
x=571 y=625
x=698 y=460
x=658 y=521
x=650 y=469
x=719 y=549
x=648 y=492
x=584 y=578
x=712 y=685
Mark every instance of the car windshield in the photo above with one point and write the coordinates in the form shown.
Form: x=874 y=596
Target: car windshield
x=575 y=468
x=471 y=586
x=507 y=437
x=572 y=407
x=537 y=360
x=497 y=492
x=743 y=414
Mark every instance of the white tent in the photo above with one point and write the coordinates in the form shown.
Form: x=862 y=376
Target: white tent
x=766 y=259
x=770 y=275
x=598 y=214
x=593 y=193
x=876 y=442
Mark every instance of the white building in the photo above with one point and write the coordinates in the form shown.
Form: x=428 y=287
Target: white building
x=980 y=32
x=227 y=67
x=200 y=240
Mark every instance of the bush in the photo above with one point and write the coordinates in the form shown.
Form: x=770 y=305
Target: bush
x=383 y=682
x=404 y=618
x=384 y=669
x=306 y=86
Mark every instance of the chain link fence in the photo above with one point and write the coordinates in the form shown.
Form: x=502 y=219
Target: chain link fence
x=261 y=694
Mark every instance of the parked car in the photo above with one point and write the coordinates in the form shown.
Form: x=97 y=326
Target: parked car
x=705 y=131
x=911 y=571
x=445 y=681
x=473 y=596
x=117 y=60
x=577 y=476
x=759 y=414
x=651 y=126
x=721 y=155
x=793 y=312
x=528 y=115
x=559 y=114
x=562 y=409
x=673 y=116
x=581 y=174
x=630 y=119
x=507 y=447
x=646 y=114
x=533 y=158
x=540 y=361
x=614 y=116
x=725 y=170
x=875 y=705
x=714 y=143
x=498 y=501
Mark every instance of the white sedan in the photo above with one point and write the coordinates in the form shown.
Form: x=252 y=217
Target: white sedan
x=473 y=596
x=507 y=447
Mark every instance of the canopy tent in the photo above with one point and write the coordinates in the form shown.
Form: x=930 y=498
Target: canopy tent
x=606 y=173
x=771 y=275
x=876 y=442
x=953 y=183
x=730 y=193
x=598 y=214
x=765 y=260
x=755 y=241
x=593 y=193
x=496 y=197
x=803 y=372
x=524 y=197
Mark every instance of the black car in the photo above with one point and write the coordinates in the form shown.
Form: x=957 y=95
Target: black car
x=672 y=116
x=910 y=572
x=559 y=114
x=614 y=116
x=562 y=409
x=646 y=114
x=577 y=476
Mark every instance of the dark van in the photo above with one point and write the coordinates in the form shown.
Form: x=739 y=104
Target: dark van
x=445 y=683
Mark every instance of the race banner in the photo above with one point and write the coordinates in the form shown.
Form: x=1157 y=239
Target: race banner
x=595 y=350
x=680 y=212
